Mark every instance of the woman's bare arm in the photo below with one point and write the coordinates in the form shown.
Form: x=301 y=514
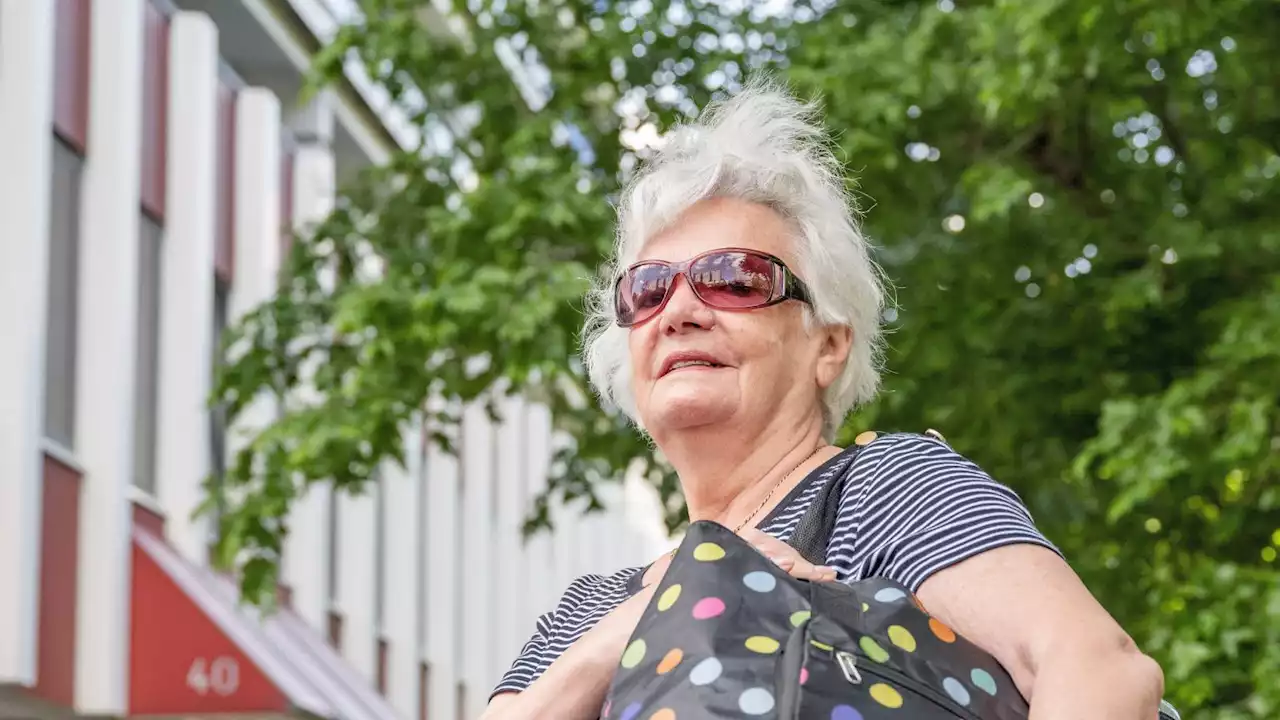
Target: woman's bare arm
x=575 y=685
x=500 y=705
x=1068 y=656
x=573 y=688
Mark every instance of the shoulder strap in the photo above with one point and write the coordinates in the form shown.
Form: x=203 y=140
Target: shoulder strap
x=815 y=526
x=813 y=531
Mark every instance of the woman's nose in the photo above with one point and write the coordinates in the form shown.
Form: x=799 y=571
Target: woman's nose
x=684 y=310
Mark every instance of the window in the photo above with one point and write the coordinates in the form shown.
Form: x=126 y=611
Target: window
x=147 y=365
x=218 y=413
x=155 y=126
x=71 y=73
x=60 y=336
x=224 y=221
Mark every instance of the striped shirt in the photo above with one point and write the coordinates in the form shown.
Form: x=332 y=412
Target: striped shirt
x=911 y=506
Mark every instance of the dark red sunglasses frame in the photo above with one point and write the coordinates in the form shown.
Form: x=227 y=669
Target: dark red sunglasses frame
x=786 y=286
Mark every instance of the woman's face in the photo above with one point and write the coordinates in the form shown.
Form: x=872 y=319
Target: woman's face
x=766 y=364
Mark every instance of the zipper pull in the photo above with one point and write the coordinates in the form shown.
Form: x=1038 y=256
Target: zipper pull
x=849 y=667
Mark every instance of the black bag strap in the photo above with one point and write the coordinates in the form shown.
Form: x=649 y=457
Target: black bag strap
x=813 y=530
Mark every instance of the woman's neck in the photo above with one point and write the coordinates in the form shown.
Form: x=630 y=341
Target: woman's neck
x=732 y=479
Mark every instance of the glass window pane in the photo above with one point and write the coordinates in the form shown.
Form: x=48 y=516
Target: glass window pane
x=148 y=360
x=218 y=413
x=60 y=336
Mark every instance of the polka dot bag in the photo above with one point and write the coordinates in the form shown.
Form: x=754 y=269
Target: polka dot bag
x=728 y=634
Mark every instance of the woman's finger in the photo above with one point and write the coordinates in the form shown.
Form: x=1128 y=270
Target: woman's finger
x=786 y=557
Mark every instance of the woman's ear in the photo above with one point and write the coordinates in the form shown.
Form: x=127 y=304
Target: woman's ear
x=836 y=343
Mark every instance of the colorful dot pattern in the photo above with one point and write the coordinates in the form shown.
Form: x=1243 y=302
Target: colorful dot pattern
x=717 y=632
x=668 y=598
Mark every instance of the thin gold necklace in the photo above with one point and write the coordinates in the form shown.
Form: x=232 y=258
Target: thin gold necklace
x=769 y=497
x=774 y=489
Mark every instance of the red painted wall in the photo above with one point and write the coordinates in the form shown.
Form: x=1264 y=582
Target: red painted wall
x=71 y=73
x=180 y=662
x=155 y=111
x=59 y=548
x=148 y=519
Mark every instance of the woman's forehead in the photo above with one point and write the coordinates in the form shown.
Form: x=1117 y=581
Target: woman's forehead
x=719 y=223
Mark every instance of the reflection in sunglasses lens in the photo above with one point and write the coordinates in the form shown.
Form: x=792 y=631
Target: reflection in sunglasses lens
x=732 y=280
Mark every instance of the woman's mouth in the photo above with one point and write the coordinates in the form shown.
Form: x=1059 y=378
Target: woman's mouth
x=690 y=360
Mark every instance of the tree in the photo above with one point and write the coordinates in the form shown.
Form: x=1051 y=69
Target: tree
x=1077 y=202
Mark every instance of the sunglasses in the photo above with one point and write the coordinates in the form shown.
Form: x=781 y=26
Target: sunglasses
x=724 y=279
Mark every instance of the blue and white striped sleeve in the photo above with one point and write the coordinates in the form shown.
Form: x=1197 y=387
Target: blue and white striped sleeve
x=924 y=507
x=528 y=665
x=580 y=607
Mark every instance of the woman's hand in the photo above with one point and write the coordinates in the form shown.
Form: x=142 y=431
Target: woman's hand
x=576 y=683
x=602 y=646
x=787 y=557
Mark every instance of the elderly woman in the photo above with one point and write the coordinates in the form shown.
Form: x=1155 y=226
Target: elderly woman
x=739 y=329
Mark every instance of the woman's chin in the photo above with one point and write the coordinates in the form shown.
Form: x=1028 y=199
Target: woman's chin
x=690 y=411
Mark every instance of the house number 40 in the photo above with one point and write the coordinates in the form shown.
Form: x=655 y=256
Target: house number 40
x=220 y=676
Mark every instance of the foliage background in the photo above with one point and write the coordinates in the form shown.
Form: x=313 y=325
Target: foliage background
x=1077 y=202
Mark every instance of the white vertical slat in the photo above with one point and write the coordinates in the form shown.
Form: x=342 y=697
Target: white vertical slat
x=605 y=530
x=584 y=548
x=483 y=575
x=545 y=584
x=534 y=576
x=644 y=517
x=106 y=353
x=400 y=575
x=26 y=119
x=445 y=558
x=564 y=534
x=305 y=567
x=257 y=203
x=509 y=561
x=423 y=476
x=356 y=578
x=528 y=602
x=256 y=232
x=186 y=276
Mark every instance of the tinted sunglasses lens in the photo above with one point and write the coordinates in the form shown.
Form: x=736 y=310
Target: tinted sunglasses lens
x=733 y=280
x=641 y=291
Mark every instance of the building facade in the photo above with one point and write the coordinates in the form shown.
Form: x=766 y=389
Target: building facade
x=153 y=165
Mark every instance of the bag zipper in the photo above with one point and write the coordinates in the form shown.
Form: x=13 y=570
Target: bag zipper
x=848 y=663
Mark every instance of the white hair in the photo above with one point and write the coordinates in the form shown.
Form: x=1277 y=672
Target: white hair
x=764 y=146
